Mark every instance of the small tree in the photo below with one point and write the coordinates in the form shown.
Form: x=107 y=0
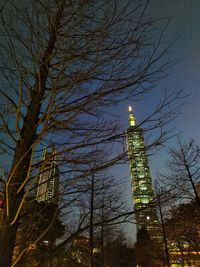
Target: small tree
x=119 y=254
x=33 y=222
x=184 y=171
x=182 y=230
x=100 y=201
x=147 y=252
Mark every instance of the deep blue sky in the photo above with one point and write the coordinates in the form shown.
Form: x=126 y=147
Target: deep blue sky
x=184 y=31
x=185 y=74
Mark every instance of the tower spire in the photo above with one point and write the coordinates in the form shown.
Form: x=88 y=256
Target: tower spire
x=132 y=119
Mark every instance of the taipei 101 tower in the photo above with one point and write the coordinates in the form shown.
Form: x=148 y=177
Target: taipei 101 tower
x=142 y=191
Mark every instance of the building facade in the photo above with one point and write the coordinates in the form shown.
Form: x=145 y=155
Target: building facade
x=142 y=191
x=47 y=188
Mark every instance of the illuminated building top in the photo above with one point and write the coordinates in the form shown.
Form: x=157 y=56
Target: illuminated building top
x=132 y=120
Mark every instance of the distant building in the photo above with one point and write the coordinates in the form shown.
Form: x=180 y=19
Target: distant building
x=46 y=195
x=47 y=189
x=143 y=195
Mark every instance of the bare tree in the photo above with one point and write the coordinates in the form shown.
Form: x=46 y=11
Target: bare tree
x=98 y=204
x=161 y=198
x=183 y=173
x=182 y=233
x=63 y=64
x=181 y=181
x=147 y=252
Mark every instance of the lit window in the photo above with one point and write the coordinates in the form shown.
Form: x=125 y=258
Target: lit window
x=145 y=200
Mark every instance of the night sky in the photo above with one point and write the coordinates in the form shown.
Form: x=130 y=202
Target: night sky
x=184 y=31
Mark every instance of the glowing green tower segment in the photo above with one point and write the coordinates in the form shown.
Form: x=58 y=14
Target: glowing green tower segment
x=146 y=214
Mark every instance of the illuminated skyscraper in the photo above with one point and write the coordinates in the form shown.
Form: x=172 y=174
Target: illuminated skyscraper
x=146 y=214
x=48 y=180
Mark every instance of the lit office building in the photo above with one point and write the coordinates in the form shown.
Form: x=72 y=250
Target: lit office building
x=143 y=195
x=47 y=189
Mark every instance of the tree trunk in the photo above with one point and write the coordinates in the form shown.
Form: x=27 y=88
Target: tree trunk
x=24 y=146
x=19 y=169
x=91 y=223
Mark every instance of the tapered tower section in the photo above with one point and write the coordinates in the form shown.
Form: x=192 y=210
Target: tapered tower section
x=143 y=195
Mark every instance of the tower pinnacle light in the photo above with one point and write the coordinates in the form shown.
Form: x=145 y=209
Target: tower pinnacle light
x=132 y=120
